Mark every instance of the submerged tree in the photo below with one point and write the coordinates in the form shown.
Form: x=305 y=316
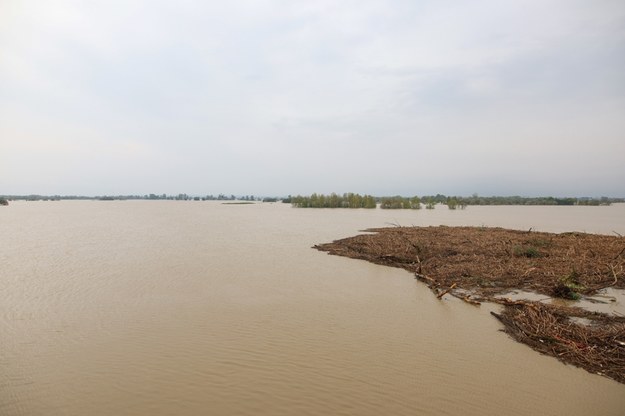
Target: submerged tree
x=430 y=203
x=348 y=200
x=400 y=202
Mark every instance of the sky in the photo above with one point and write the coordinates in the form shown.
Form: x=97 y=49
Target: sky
x=274 y=97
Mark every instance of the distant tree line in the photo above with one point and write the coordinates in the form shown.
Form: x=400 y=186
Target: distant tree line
x=348 y=200
x=185 y=197
x=400 y=202
x=178 y=197
x=519 y=200
x=351 y=200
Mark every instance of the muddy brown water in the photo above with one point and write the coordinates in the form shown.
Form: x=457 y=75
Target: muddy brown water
x=187 y=308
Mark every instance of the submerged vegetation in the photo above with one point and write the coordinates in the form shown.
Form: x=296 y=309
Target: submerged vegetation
x=463 y=201
x=349 y=200
x=346 y=200
x=480 y=264
x=398 y=202
x=352 y=200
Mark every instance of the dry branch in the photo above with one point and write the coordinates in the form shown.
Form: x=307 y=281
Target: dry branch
x=443 y=293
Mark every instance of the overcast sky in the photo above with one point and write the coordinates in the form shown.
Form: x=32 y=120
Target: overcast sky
x=293 y=97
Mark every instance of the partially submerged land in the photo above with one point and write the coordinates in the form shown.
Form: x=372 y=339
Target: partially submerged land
x=352 y=200
x=480 y=264
x=346 y=200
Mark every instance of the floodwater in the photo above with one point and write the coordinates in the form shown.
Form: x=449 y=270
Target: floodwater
x=193 y=308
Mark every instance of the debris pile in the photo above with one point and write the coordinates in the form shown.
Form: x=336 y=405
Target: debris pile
x=479 y=264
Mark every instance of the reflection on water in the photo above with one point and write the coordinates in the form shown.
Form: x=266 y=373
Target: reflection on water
x=168 y=307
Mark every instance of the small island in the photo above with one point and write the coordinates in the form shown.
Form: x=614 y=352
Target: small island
x=482 y=264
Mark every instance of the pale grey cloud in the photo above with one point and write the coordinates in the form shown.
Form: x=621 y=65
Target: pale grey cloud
x=278 y=97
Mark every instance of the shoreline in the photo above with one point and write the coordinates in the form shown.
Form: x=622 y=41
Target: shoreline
x=482 y=264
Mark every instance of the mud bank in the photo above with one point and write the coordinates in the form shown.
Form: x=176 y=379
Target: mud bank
x=480 y=264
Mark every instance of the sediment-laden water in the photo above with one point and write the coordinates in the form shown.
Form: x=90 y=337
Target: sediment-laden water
x=172 y=307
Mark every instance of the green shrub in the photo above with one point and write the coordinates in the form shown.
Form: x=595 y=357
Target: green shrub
x=526 y=251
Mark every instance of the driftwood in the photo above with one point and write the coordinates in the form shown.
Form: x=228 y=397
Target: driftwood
x=478 y=264
x=597 y=348
x=443 y=293
x=471 y=301
x=490 y=261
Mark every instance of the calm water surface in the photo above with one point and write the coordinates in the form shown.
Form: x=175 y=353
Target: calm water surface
x=189 y=308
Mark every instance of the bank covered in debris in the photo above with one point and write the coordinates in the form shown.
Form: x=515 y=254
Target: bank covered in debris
x=482 y=264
